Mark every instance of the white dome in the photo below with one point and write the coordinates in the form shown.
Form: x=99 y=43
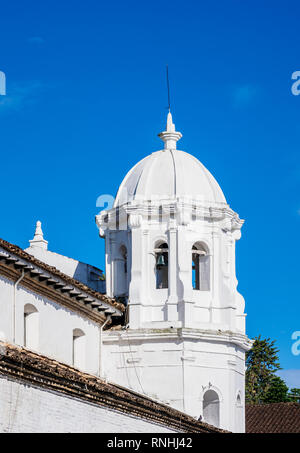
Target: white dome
x=169 y=173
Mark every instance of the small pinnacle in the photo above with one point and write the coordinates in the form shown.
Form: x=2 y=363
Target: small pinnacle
x=170 y=137
x=38 y=240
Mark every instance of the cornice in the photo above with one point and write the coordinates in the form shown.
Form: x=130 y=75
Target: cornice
x=136 y=214
x=237 y=338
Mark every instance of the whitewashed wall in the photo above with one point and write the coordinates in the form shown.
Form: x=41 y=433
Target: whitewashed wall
x=28 y=409
x=56 y=324
x=178 y=371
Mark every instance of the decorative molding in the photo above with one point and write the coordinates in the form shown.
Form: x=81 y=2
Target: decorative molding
x=225 y=217
x=235 y=338
x=135 y=220
x=210 y=386
x=232 y=362
x=188 y=358
x=134 y=360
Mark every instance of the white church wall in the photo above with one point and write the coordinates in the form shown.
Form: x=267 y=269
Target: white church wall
x=6 y=301
x=55 y=325
x=177 y=372
x=28 y=409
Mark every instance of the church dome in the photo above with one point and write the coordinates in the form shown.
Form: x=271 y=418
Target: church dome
x=169 y=174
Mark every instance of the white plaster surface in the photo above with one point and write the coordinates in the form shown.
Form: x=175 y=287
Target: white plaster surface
x=55 y=325
x=28 y=409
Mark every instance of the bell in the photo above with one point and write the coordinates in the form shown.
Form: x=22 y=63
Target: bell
x=161 y=262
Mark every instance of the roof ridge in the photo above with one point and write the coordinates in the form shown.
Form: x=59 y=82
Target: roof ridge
x=273 y=404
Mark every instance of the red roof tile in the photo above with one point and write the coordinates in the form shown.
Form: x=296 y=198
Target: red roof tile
x=273 y=418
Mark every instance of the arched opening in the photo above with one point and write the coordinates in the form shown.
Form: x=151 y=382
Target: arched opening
x=239 y=415
x=200 y=268
x=31 y=327
x=78 y=355
x=120 y=274
x=161 y=266
x=211 y=408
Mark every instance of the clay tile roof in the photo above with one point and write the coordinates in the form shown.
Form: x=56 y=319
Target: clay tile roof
x=23 y=365
x=273 y=418
x=51 y=269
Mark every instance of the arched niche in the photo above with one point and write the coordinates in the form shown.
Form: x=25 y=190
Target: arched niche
x=79 y=349
x=239 y=413
x=211 y=408
x=31 y=327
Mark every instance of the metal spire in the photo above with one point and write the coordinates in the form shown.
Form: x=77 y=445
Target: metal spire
x=168 y=86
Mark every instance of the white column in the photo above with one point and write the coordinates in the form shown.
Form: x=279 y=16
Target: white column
x=172 y=308
x=185 y=286
x=136 y=288
x=112 y=261
x=216 y=269
x=108 y=264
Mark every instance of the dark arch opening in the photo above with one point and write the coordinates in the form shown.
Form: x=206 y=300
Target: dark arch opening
x=162 y=266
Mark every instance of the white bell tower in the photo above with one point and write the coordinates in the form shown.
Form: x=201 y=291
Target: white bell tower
x=170 y=252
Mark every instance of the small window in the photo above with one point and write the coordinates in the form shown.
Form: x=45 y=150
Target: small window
x=162 y=266
x=200 y=268
x=31 y=327
x=78 y=353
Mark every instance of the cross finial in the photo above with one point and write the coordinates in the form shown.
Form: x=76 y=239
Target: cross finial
x=38 y=240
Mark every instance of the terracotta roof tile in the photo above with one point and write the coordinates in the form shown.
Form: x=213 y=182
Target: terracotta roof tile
x=273 y=418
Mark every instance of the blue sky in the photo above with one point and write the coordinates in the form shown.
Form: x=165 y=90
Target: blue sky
x=86 y=97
